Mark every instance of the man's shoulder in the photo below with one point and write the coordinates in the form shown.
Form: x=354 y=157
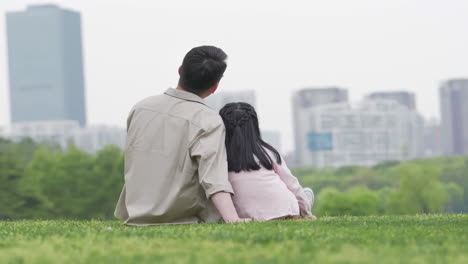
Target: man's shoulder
x=207 y=118
x=149 y=101
x=197 y=113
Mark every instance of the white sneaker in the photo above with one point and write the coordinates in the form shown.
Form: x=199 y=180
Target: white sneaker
x=310 y=196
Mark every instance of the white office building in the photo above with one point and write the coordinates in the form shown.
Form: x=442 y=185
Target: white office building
x=95 y=138
x=302 y=101
x=68 y=132
x=59 y=132
x=341 y=134
x=405 y=98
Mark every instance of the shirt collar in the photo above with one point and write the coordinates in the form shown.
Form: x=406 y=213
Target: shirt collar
x=187 y=96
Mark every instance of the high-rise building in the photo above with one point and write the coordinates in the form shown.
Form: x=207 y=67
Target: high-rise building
x=432 y=138
x=404 y=98
x=45 y=65
x=342 y=134
x=454 y=113
x=408 y=99
x=220 y=99
x=303 y=101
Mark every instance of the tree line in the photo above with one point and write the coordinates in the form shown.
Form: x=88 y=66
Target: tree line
x=43 y=181
x=436 y=185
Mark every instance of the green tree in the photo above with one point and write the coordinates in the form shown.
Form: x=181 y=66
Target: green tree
x=10 y=175
x=456 y=171
x=356 y=201
x=363 y=201
x=420 y=191
x=38 y=173
x=455 y=202
x=332 y=202
x=64 y=180
x=108 y=176
x=72 y=184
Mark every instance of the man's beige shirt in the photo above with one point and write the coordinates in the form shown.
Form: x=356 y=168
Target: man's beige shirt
x=175 y=159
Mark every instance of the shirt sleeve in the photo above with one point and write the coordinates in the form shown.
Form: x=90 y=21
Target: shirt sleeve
x=129 y=118
x=210 y=153
x=294 y=186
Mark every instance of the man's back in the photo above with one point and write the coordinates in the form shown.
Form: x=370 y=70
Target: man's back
x=174 y=160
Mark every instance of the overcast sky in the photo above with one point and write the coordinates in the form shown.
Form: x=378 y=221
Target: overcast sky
x=133 y=49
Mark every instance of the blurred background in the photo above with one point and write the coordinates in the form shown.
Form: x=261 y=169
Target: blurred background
x=367 y=100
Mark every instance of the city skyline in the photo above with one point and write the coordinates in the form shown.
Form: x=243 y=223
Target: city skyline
x=415 y=52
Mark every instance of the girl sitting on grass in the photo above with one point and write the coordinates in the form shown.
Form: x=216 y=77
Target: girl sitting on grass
x=263 y=185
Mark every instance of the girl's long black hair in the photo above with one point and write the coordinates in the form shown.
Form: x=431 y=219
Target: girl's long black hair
x=243 y=139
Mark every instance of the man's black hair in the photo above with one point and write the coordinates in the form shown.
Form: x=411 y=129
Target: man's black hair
x=244 y=143
x=202 y=68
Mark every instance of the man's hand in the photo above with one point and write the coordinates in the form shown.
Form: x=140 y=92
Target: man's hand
x=223 y=202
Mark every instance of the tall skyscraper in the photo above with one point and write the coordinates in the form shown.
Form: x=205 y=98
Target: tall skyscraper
x=404 y=98
x=45 y=65
x=303 y=101
x=454 y=113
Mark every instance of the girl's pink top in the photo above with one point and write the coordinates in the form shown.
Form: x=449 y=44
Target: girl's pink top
x=268 y=194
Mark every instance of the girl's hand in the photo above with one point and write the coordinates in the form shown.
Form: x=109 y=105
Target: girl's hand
x=240 y=220
x=310 y=217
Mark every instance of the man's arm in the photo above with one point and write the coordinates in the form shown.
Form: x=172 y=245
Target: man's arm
x=210 y=153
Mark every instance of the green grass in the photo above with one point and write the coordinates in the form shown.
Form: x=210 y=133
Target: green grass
x=415 y=239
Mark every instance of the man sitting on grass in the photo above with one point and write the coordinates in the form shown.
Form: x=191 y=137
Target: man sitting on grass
x=175 y=157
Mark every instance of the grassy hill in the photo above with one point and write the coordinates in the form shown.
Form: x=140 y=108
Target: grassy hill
x=383 y=239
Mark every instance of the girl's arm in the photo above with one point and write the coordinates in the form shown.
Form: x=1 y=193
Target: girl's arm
x=295 y=187
x=223 y=202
